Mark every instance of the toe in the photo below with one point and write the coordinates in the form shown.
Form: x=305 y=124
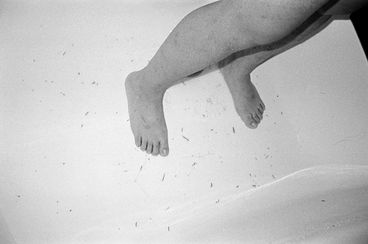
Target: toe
x=256 y=118
x=164 y=148
x=156 y=148
x=260 y=109
x=149 y=148
x=260 y=114
x=138 y=140
x=263 y=106
x=250 y=122
x=253 y=125
x=144 y=145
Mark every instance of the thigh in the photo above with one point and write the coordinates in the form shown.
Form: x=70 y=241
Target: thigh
x=346 y=7
x=359 y=20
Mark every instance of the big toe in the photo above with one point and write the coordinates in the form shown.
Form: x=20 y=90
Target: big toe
x=250 y=122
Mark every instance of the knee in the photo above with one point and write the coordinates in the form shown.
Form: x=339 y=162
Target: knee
x=272 y=20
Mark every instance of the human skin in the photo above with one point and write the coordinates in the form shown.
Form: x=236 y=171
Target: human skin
x=209 y=35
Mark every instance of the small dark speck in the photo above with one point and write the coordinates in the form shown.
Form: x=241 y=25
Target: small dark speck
x=34 y=60
x=18 y=196
x=254 y=186
x=86 y=113
x=194 y=164
x=278 y=95
x=237 y=186
x=132 y=60
x=168 y=228
x=211 y=185
x=63 y=163
x=282 y=113
x=273 y=176
x=334 y=226
x=64 y=53
x=82 y=125
x=233 y=130
x=62 y=93
x=218 y=201
x=70 y=210
x=163 y=177
x=136 y=224
x=185 y=138
x=323 y=200
x=79 y=73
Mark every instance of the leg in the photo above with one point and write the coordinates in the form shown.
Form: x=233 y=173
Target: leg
x=204 y=37
x=236 y=70
x=358 y=19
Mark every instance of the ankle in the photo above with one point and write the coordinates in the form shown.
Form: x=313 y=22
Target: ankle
x=149 y=81
x=140 y=81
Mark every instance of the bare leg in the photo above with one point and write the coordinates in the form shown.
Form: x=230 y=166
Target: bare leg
x=204 y=37
x=236 y=70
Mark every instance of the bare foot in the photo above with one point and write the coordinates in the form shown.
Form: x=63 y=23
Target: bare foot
x=247 y=101
x=146 y=115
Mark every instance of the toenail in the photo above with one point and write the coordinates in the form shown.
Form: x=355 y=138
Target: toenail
x=164 y=151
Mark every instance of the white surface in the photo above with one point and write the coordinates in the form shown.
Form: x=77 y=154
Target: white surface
x=59 y=60
x=326 y=204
